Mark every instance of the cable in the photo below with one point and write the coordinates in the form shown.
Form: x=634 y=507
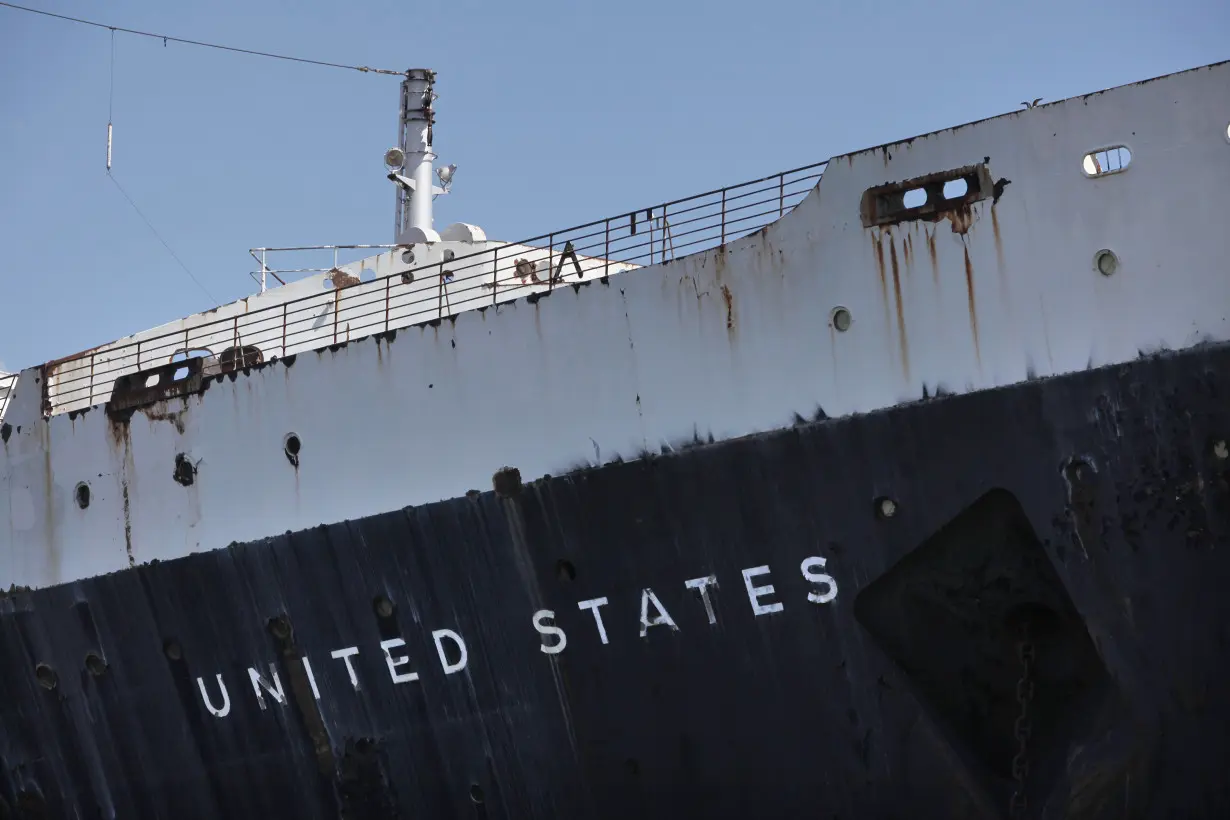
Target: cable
x=165 y=38
x=160 y=239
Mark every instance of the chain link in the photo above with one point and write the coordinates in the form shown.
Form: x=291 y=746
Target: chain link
x=1021 y=727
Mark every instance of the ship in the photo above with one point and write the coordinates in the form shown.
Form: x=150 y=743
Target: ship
x=897 y=485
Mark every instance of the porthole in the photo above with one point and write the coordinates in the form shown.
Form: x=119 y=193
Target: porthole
x=292 y=445
x=840 y=319
x=1105 y=262
x=1106 y=161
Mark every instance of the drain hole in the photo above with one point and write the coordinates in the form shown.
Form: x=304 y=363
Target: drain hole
x=279 y=627
x=383 y=606
x=476 y=793
x=82 y=494
x=565 y=571
x=172 y=650
x=94 y=664
x=47 y=677
x=885 y=508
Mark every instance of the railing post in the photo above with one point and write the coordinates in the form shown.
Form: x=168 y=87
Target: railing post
x=665 y=228
x=551 y=262
x=723 y=216
x=388 y=285
x=283 y=330
x=495 y=274
x=649 y=216
x=91 y=389
x=781 y=195
x=606 y=249
x=138 y=354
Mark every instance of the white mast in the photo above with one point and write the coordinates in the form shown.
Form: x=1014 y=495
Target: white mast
x=410 y=165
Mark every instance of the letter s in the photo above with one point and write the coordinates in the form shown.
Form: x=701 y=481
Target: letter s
x=809 y=574
x=543 y=629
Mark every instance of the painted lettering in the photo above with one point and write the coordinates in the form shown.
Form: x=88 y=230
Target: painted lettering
x=593 y=605
x=662 y=618
x=345 y=655
x=225 y=709
x=451 y=648
x=703 y=585
x=398 y=677
x=260 y=686
x=754 y=593
x=450 y=668
x=307 y=667
x=811 y=576
x=544 y=629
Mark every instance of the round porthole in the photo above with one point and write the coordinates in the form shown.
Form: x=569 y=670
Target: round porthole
x=840 y=319
x=292 y=445
x=1105 y=262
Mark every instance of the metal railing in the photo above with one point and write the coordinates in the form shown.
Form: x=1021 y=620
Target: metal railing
x=260 y=275
x=416 y=295
x=7 y=382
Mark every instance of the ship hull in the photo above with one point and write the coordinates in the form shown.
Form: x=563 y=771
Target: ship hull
x=827 y=620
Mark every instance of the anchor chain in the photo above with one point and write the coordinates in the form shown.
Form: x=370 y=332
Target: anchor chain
x=1021 y=727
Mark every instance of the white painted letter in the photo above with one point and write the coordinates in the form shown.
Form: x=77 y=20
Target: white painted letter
x=226 y=698
x=393 y=643
x=593 y=604
x=703 y=585
x=663 y=617
x=307 y=667
x=259 y=683
x=345 y=654
x=819 y=578
x=753 y=593
x=543 y=629
x=455 y=638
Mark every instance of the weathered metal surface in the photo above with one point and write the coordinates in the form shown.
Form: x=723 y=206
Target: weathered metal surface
x=908 y=551
x=720 y=344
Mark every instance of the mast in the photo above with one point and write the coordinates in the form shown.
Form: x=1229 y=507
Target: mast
x=410 y=165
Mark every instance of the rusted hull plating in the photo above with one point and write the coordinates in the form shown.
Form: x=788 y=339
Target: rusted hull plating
x=916 y=556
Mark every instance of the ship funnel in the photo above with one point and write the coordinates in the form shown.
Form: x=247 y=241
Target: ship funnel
x=410 y=164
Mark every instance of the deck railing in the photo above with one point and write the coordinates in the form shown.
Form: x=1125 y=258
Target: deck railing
x=7 y=381
x=415 y=295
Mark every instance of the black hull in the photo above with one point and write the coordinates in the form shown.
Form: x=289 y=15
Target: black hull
x=1090 y=514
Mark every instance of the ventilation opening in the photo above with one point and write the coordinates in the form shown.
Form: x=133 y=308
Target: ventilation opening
x=82 y=494
x=1106 y=161
x=955 y=189
x=181 y=373
x=927 y=197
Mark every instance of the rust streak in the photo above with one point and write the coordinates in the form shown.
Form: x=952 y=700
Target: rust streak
x=905 y=346
x=962 y=219
x=973 y=311
x=935 y=265
x=729 y=299
x=999 y=251
x=878 y=241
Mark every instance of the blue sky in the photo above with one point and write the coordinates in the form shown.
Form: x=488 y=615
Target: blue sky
x=556 y=113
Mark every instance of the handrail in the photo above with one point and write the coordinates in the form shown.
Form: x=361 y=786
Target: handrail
x=7 y=382
x=433 y=291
